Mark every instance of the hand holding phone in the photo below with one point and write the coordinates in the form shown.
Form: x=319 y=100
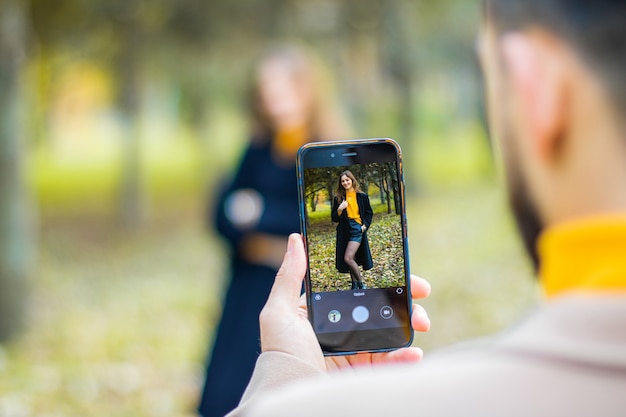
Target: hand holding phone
x=353 y=220
x=285 y=326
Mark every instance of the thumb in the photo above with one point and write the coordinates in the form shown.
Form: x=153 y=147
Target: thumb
x=288 y=282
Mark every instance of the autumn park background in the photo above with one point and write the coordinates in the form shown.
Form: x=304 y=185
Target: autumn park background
x=118 y=120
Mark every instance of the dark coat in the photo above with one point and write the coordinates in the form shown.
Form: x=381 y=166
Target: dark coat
x=363 y=254
x=236 y=346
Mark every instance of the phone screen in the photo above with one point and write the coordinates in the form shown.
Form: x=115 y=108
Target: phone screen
x=354 y=223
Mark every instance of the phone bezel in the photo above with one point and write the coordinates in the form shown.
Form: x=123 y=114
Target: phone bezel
x=361 y=148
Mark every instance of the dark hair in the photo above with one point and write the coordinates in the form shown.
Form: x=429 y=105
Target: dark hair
x=596 y=30
x=341 y=192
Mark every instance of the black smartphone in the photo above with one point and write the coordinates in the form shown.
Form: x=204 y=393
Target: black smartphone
x=352 y=216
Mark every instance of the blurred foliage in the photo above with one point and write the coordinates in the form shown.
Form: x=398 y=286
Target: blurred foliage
x=190 y=60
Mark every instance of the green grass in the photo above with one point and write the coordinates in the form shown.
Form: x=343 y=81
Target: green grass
x=62 y=182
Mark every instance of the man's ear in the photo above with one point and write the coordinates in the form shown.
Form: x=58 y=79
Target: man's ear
x=537 y=83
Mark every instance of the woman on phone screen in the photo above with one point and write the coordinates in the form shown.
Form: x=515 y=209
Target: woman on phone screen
x=353 y=212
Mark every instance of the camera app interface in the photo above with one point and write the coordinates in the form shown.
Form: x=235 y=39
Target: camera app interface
x=355 y=246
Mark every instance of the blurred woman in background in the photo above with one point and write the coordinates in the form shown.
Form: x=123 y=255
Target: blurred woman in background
x=290 y=105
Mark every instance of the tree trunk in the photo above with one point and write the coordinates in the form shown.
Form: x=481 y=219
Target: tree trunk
x=16 y=233
x=331 y=191
x=384 y=186
x=388 y=199
x=132 y=198
x=313 y=201
x=381 y=181
x=396 y=192
x=402 y=68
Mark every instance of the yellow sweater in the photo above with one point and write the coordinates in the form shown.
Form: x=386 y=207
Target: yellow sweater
x=353 y=207
x=586 y=255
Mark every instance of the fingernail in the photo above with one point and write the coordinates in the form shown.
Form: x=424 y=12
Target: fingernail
x=291 y=242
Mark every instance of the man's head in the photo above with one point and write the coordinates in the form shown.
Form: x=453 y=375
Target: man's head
x=556 y=97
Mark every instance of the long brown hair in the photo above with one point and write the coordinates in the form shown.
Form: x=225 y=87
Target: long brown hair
x=340 y=195
x=326 y=121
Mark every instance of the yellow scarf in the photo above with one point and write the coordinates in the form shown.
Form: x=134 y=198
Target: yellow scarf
x=586 y=255
x=288 y=141
x=353 y=207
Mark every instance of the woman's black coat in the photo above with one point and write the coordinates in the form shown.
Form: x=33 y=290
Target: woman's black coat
x=236 y=343
x=363 y=254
